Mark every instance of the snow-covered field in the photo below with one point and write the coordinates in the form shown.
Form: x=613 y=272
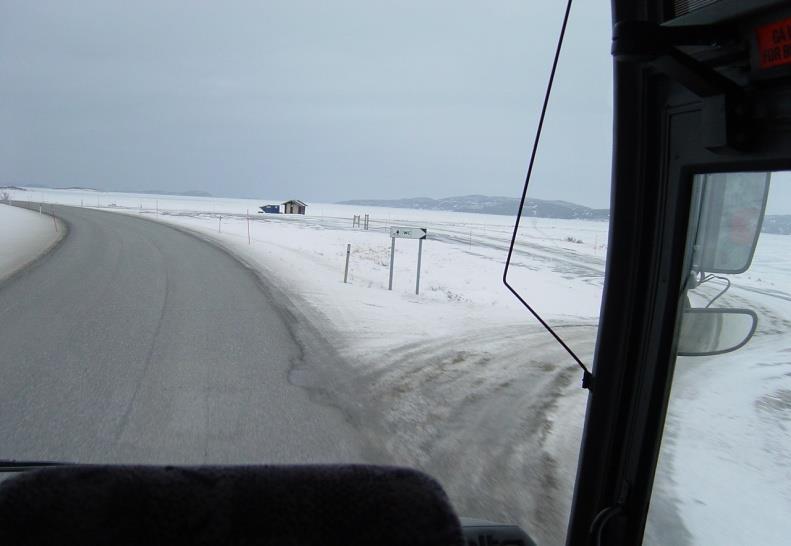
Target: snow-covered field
x=460 y=381
x=725 y=456
x=24 y=236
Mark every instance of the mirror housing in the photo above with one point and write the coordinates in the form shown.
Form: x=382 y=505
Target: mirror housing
x=732 y=207
x=706 y=332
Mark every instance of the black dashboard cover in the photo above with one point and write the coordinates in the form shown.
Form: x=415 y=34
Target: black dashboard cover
x=234 y=505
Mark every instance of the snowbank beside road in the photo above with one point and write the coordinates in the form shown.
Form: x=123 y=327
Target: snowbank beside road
x=24 y=236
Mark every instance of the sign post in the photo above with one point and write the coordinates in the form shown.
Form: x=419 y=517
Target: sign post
x=407 y=233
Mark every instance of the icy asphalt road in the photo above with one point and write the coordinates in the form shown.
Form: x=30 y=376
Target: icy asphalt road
x=134 y=342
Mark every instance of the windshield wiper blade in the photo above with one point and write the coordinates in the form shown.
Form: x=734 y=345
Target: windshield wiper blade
x=21 y=466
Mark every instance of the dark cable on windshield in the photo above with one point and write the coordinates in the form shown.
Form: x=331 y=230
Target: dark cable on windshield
x=587 y=377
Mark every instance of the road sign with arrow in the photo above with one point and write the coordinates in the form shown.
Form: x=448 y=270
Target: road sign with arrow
x=408 y=233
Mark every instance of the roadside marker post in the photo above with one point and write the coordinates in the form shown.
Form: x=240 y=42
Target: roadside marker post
x=407 y=233
x=219 y=224
x=419 y=256
x=392 y=259
x=346 y=271
x=249 y=241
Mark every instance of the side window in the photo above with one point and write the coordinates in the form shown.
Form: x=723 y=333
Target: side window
x=724 y=475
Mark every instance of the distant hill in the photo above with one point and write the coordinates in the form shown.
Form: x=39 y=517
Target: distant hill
x=777 y=223
x=192 y=193
x=485 y=204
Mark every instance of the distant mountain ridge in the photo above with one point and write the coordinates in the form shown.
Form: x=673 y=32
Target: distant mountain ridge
x=777 y=223
x=486 y=204
x=189 y=193
x=540 y=208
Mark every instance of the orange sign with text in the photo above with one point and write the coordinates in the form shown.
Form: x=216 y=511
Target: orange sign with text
x=774 y=43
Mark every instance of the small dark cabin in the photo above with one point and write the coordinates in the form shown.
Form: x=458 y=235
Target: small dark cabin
x=294 y=206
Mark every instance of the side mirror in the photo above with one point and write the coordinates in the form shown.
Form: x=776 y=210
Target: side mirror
x=732 y=207
x=707 y=332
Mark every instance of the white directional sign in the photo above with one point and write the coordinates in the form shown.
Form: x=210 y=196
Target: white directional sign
x=408 y=233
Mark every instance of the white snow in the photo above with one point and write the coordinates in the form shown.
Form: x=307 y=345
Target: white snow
x=473 y=391
x=24 y=236
x=728 y=432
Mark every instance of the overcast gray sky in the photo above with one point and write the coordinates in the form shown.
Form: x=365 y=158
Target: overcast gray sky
x=317 y=100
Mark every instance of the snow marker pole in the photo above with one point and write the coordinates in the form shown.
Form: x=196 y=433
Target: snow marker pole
x=346 y=271
x=392 y=259
x=419 y=256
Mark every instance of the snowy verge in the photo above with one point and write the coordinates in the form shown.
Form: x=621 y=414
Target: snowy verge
x=24 y=236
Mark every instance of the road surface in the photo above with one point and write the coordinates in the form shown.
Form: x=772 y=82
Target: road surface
x=134 y=342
